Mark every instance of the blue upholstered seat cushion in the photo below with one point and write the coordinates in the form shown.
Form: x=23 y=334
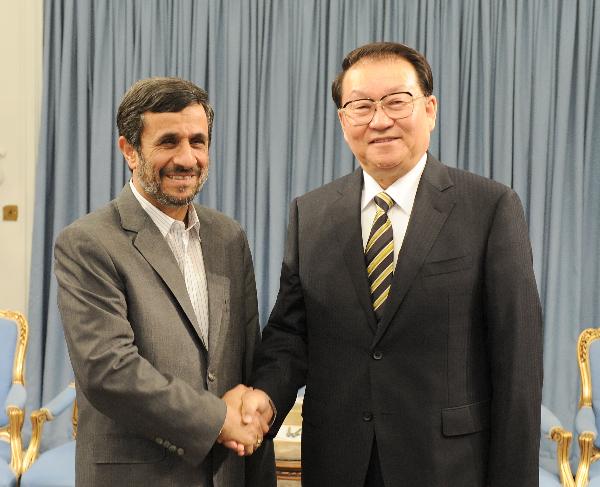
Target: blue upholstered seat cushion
x=53 y=468
x=4 y=451
x=595 y=379
x=594 y=481
x=594 y=474
x=7 y=477
x=547 y=479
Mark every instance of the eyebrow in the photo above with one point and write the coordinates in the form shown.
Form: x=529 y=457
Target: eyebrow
x=172 y=137
x=199 y=137
x=397 y=89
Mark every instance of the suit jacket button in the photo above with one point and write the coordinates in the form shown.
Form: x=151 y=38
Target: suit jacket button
x=377 y=355
x=166 y=444
x=159 y=440
x=172 y=448
x=367 y=416
x=180 y=452
x=212 y=377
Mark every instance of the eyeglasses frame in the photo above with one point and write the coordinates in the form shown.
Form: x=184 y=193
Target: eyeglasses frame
x=380 y=103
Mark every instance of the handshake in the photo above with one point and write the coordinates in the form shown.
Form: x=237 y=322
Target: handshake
x=249 y=416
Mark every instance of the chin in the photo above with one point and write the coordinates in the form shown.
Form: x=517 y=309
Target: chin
x=387 y=165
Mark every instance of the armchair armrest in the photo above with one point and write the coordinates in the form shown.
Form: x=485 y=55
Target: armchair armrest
x=585 y=424
x=15 y=411
x=38 y=417
x=61 y=402
x=551 y=427
x=549 y=421
x=585 y=421
x=16 y=397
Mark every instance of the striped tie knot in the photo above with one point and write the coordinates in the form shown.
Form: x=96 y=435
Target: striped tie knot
x=383 y=201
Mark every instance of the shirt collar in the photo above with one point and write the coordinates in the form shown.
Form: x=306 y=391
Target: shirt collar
x=402 y=191
x=163 y=221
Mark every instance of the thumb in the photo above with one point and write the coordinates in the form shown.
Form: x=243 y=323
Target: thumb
x=249 y=406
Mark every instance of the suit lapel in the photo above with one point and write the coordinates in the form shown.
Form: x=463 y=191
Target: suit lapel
x=152 y=245
x=218 y=285
x=431 y=208
x=346 y=211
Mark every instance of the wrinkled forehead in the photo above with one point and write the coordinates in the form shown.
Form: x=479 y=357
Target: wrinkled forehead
x=379 y=76
x=191 y=120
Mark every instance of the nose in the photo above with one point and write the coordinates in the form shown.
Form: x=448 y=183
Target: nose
x=380 y=119
x=185 y=155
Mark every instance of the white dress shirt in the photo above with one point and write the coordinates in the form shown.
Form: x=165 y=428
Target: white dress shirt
x=403 y=192
x=186 y=246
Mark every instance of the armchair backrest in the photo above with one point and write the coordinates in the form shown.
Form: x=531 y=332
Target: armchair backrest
x=588 y=348
x=13 y=342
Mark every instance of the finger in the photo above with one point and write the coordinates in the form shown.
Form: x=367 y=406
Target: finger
x=249 y=407
x=264 y=425
x=240 y=388
x=236 y=393
x=257 y=427
x=231 y=444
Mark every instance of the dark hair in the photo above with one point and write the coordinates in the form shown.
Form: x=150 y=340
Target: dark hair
x=157 y=95
x=384 y=50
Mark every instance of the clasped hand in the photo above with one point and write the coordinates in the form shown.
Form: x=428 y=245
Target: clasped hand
x=247 y=420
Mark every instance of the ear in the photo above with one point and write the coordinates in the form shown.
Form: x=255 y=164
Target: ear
x=342 y=120
x=431 y=111
x=130 y=154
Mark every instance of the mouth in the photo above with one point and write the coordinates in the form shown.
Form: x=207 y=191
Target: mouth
x=383 y=140
x=180 y=177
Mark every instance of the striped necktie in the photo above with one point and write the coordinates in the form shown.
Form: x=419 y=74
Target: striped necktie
x=379 y=253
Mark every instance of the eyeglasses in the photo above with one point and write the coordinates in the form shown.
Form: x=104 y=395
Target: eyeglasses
x=394 y=105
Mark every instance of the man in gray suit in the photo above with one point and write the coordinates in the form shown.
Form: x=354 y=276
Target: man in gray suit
x=407 y=306
x=158 y=302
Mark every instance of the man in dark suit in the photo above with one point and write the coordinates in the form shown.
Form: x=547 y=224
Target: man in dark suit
x=158 y=302
x=407 y=306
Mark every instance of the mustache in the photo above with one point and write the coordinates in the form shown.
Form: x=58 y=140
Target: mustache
x=180 y=170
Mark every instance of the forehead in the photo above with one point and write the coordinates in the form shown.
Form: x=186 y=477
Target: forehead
x=191 y=120
x=378 y=77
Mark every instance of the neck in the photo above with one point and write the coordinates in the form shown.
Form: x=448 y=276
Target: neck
x=175 y=212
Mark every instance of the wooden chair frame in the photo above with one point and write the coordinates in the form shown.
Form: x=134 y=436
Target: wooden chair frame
x=12 y=431
x=589 y=453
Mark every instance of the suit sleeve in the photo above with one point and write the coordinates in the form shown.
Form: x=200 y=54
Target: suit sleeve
x=514 y=323
x=252 y=326
x=281 y=362
x=260 y=466
x=110 y=372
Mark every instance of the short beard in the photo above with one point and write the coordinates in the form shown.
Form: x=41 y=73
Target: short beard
x=149 y=179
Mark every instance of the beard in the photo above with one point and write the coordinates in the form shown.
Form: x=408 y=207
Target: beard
x=150 y=180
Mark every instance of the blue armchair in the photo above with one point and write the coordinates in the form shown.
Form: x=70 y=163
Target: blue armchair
x=54 y=467
x=13 y=345
x=555 y=442
x=588 y=416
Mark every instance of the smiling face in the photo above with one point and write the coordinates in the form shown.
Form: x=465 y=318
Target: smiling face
x=173 y=162
x=386 y=148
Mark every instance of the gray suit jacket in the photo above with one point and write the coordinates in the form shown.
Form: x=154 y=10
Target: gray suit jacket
x=148 y=391
x=449 y=382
